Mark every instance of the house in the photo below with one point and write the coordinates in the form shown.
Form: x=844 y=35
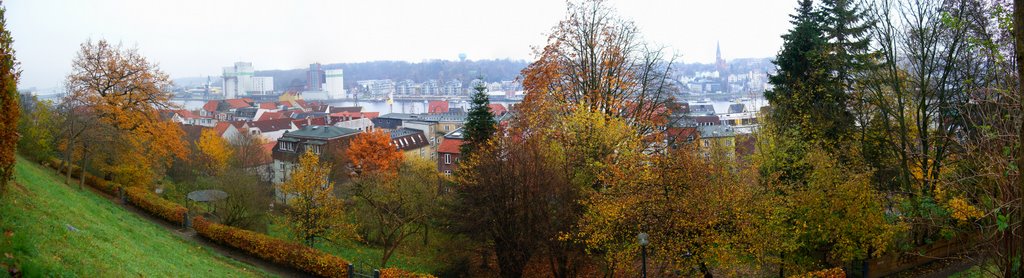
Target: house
x=349 y=109
x=678 y=136
x=271 y=116
x=736 y=108
x=411 y=142
x=437 y=106
x=449 y=152
x=392 y=121
x=229 y=130
x=361 y=124
x=709 y=120
x=716 y=139
x=325 y=141
x=429 y=130
x=270 y=130
x=348 y=116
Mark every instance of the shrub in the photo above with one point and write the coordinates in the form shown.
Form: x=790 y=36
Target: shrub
x=824 y=273
x=152 y=203
x=272 y=249
x=398 y=273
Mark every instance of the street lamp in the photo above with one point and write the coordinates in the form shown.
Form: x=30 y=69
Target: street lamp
x=643 y=254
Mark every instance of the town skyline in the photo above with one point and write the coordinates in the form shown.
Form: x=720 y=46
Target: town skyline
x=191 y=39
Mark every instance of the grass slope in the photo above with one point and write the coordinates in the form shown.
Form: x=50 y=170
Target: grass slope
x=110 y=242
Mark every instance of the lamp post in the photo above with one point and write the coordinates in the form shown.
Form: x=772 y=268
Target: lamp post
x=643 y=254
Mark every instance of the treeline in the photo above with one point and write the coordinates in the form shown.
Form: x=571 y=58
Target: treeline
x=893 y=125
x=442 y=70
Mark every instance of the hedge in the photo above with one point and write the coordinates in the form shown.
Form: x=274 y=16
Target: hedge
x=398 y=273
x=272 y=249
x=824 y=273
x=278 y=251
x=152 y=203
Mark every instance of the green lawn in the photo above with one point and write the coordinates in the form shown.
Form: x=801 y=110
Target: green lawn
x=110 y=242
x=411 y=256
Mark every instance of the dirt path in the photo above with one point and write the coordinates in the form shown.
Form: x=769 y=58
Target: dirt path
x=235 y=254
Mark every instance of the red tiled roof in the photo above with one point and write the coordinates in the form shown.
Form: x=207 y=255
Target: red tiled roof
x=221 y=127
x=268 y=105
x=237 y=103
x=211 y=106
x=497 y=109
x=346 y=109
x=272 y=125
x=437 y=106
x=450 y=146
x=356 y=115
x=681 y=133
x=302 y=103
x=311 y=121
x=271 y=116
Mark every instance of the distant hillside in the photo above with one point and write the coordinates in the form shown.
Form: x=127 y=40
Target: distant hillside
x=491 y=70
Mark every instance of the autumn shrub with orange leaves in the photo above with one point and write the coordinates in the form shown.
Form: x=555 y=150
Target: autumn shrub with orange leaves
x=156 y=205
x=824 y=273
x=275 y=250
x=398 y=273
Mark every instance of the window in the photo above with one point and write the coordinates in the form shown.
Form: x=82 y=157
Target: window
x=447 y=172
x=707 y=143
x=281 y=146
x=315 y=148
x=447 y=159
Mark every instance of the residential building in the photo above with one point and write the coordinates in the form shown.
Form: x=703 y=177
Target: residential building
x=411 y=142
x=716 y=139
x=270 y=130
x=325 y=141
x=449 y=152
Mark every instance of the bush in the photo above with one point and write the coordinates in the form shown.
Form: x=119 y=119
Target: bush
x=398 y=273
x=824 y=273
x=272 y=249
x=152 y=203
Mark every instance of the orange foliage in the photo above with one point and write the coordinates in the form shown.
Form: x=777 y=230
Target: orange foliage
x=125 y=91
x=824 y=273
x=152 y=203
x=372 y=152
x=275 y=250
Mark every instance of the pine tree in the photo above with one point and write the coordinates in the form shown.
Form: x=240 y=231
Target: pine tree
x=480 y=124
x=10 y=111
x=804 y=97
x=845 y=27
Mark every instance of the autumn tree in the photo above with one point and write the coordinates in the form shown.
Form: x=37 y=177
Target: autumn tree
x=313 y=212
x=393 y=209
x=373 y=152
x=512 y=195
x=480 y=121
x=122 y=89
x=214 y=152
x=596 y=58
x=9 y=75
x=38 y=128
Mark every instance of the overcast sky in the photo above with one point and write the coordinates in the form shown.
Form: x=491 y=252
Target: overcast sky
x=191 y=38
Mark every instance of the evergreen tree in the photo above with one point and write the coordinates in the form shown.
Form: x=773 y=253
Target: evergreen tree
x=804 y=98
x=9 y=102
x=480 y=124
x=845 y=27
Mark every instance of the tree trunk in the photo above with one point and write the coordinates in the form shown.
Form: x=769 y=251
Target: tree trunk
x=84 y=162
x=1013 y=242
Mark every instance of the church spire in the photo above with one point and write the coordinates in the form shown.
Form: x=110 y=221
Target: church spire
x=718 y=52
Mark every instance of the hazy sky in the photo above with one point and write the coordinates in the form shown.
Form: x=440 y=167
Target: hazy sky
x=197 y=37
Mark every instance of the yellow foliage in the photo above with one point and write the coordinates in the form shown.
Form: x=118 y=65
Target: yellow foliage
x=963 y=211
x=313 y=210
x=215 y=152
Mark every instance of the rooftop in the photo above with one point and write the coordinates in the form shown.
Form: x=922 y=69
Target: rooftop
x=716 y=131
x=321 y=132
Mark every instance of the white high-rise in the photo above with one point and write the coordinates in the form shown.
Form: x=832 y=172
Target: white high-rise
x=335 y=83
x=237 y=79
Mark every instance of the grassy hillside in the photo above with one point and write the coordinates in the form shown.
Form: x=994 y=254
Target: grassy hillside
x=35 y=216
